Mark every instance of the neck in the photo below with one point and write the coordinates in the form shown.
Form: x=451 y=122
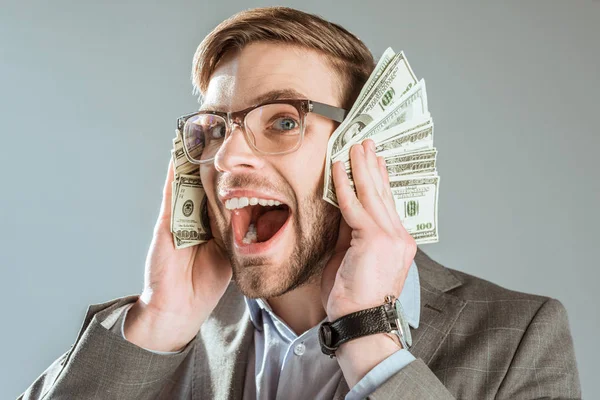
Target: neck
x=301 y=309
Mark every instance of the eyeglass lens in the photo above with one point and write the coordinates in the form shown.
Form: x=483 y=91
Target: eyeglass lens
x=271 y=129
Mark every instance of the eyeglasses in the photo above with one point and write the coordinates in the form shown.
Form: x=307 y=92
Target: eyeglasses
x=275 y=127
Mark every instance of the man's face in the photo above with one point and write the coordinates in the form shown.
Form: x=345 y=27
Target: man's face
x=295 y=239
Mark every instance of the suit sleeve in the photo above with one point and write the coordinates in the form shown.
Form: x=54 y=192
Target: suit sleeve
x=102 y=364
x=379 y=374
x=543 y=366
x=119 y=327
x=413 y=382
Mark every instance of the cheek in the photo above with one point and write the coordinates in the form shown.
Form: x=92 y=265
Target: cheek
x=316 y=147
x=306 y=170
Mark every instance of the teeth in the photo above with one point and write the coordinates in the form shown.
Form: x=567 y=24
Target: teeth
x=233 y=203
x=241 y=202
x=251 y=236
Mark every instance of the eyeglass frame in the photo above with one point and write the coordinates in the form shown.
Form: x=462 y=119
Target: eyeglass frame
x=303 y=106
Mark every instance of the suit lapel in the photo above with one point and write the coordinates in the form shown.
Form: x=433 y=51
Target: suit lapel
x=439 y=310
x=220 y=367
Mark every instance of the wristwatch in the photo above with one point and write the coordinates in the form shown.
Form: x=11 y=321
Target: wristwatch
x=387 y=318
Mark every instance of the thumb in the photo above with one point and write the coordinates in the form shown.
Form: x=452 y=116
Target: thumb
x=330 y=270
x=164 y=219
x=344 y=236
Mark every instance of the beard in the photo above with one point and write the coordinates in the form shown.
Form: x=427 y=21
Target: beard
x=316 y=226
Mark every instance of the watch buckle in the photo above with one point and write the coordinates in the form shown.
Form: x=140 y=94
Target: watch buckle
x=394 y=322
x=326 y=339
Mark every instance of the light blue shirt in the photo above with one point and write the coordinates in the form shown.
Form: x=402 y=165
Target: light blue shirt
x=288 y=366
x=284 y=365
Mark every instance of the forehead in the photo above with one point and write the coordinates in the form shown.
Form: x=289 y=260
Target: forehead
x=262 y=71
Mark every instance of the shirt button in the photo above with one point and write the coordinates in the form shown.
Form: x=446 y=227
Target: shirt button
x=299 y=349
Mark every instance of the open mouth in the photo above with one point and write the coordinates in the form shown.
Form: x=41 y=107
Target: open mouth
x=256 y=220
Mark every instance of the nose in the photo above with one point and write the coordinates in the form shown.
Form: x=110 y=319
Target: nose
x=236 y=154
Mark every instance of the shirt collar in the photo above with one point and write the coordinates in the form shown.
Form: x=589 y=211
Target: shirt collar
x=410 y=298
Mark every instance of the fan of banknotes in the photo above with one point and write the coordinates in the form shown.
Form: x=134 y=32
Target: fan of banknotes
x=391 y=109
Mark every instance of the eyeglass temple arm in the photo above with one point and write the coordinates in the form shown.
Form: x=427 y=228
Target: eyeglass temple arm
x=335 y=113
x=181 y=120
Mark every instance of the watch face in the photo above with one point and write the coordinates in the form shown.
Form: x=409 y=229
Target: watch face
x=403 y=323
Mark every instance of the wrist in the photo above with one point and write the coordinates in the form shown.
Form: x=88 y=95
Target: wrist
x=388 y=319
x=382 y=343
x=156 y=332
x=358 y=356
x=343 y=306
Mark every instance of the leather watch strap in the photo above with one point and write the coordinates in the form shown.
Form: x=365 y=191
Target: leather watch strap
x=352 y=326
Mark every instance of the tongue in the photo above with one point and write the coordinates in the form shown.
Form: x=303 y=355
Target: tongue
x=269 y=223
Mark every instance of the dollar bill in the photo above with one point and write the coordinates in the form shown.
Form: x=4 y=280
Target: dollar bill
x=395 y=81
x=412 y=107
x=392 y=78
x=188 y=225
x=392 y=110
x=412 y=163
x=407 y=137
x=382 y=64
x=416 y=200
x=403 y=138
x=186 y=218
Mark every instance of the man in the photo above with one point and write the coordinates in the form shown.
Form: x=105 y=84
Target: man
x=240 y=316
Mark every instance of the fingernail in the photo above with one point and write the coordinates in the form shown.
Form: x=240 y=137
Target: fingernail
x=372 y=145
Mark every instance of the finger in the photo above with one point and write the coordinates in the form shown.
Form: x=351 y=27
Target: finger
x=379 y=173
x=352 y=210
x=365 y=188
x=373 y=165
x=390 y=203
x=387 y=195
x=388 y=199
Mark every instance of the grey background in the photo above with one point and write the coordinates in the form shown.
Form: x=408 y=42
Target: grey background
x=89 y=97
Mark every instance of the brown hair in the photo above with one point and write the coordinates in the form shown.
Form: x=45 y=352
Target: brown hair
x=343 y=51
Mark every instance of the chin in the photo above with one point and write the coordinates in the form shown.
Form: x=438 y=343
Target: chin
x=267 y=275
x=261 y=281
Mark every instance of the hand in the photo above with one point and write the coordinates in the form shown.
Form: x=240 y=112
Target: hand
x=374 y=251
x=181 y=287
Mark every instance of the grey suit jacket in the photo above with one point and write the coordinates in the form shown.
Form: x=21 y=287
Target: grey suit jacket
x=475 y=340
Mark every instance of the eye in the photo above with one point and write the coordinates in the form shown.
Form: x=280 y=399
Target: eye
x=285 y=124
x=216 y=131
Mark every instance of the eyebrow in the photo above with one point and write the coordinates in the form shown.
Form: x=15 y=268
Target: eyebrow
x=278 y=94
